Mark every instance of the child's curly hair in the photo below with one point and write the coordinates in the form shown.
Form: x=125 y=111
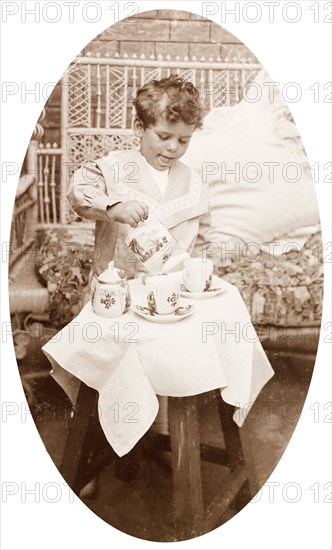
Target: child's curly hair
x=173 y=99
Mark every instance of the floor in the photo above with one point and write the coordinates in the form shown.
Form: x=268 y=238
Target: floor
x=141 y=504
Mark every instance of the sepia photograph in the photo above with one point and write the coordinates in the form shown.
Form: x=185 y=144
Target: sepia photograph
x=166 y=275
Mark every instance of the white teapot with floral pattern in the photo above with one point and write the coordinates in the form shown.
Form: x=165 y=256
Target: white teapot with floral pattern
x=111 y=297
x=152 y=244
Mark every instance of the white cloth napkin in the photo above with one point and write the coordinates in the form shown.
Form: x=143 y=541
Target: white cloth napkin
x=127 y=404
x=130 y=360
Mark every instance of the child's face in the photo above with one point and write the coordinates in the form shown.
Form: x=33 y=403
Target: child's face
x=165 y=142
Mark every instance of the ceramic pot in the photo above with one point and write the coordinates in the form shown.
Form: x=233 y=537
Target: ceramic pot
x=152 y=243
x=111 y=297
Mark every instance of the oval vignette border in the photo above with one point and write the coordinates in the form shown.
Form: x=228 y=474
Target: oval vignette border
x=290 y=106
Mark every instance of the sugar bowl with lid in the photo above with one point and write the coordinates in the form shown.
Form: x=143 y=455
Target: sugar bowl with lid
x=111 y=297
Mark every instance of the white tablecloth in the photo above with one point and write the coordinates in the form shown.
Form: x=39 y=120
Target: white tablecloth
x=130 y=360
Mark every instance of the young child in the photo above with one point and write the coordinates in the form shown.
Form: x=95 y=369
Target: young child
x=120 y=190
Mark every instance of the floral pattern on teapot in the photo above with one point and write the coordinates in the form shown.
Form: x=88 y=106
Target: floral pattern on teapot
x=108 y=301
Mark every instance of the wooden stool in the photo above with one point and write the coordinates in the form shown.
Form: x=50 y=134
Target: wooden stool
x=191 y=520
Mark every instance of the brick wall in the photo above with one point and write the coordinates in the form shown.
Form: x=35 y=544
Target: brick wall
x=169 y=32
x=154 y=33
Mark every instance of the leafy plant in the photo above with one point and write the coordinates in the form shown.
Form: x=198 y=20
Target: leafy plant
x=63 y=266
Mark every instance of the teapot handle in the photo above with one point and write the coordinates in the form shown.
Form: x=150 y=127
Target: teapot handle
x=142 y=222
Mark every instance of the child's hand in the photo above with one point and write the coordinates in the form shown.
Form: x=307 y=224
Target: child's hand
x=131 y=212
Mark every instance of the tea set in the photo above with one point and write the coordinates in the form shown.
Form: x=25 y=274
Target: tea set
x=153 y=244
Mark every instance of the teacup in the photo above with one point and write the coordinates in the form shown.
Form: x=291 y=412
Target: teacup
x=197 y=274
x=163 y=293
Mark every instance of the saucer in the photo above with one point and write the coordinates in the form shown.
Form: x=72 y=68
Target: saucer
x=181 y=312
x=216 y=289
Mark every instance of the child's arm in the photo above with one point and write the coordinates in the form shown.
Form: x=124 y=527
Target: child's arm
x=89 y=198
x=131 y=212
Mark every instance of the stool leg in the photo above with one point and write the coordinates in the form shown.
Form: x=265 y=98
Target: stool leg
x=231 y=434
x=186 y=466
x=75 y=451
x=237 y=461
x=252 y=486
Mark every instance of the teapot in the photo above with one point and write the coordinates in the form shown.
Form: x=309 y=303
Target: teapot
x=111 y=297
x=152 y=243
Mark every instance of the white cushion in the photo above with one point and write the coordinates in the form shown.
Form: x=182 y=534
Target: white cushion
x=259 y=203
